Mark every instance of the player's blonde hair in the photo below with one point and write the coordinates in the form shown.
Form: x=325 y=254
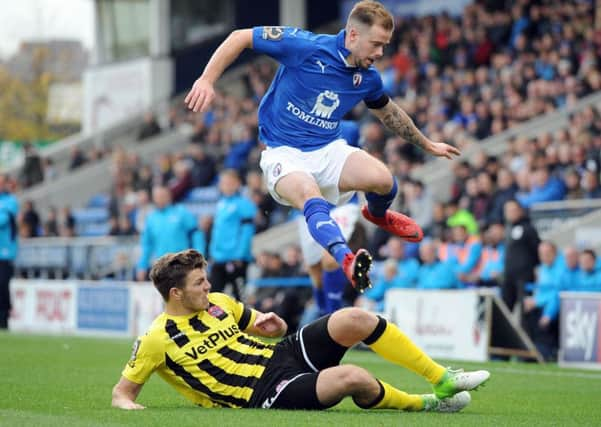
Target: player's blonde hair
x=370 y=12
x=171 y=270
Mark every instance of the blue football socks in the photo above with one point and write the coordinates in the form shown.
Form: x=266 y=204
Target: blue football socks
x=378 y=204
x=324 y=229
x=334 y=283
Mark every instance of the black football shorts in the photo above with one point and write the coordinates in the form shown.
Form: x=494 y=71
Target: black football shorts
x=290 y=378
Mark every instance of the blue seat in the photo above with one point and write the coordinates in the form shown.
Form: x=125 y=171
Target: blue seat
x=92 y=229
x=100 y=200
x=87 y=215
x=34 y=256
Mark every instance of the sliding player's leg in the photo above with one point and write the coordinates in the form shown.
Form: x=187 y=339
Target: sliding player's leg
x=334 y=384
x=316 y=380
x=350 y=326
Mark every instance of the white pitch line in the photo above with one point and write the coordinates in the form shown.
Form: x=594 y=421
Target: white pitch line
x=591 y=376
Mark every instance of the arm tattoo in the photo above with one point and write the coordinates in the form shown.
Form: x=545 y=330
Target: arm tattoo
x=395 y=119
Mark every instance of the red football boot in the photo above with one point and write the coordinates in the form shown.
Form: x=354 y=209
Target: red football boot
x=396 y=223
x=356 y=268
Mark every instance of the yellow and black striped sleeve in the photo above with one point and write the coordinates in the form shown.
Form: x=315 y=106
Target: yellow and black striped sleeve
x=244 y=315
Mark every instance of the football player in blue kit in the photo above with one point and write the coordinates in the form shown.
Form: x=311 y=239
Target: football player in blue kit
x=306 y=164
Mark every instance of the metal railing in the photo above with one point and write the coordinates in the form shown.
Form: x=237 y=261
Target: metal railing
x=77 y=257
x=584 y=231
x=549 y=216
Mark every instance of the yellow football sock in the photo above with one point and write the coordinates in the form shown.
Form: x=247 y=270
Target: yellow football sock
x=389 y=342
x=394 y=398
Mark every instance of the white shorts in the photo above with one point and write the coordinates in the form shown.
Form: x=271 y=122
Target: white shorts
x=324 y=165
x=346 y=216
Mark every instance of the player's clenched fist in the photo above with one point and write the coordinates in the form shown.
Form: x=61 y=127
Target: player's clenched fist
x=270 y=324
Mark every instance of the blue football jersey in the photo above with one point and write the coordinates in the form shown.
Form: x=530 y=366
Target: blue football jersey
x=349 y=131
x=313 y=88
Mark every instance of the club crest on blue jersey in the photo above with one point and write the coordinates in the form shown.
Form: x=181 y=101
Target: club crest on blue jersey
x=357 y=78
x=273 y=33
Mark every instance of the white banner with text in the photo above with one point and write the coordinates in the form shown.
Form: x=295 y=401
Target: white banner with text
x=83 y=307
x=580 y=330
x=445 y=324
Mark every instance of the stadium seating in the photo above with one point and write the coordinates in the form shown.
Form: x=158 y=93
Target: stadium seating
x=91 y=221
x=100 y=200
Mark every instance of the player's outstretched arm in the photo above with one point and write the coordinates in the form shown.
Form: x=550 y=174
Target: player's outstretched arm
x=268 y=325
x=395 y=119
x=202 y=93
x=125 y=393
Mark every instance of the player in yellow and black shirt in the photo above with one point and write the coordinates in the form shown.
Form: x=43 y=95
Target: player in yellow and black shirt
x=203 y=345
x=204 y=356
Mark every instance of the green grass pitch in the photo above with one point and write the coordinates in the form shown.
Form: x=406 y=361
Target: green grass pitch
x=64 y=381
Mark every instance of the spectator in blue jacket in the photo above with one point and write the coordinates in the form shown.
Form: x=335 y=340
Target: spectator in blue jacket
x=589 y=277
x=434 y=274
x=590 y=184
x=407 y=267
x=240 y=148
x=231 y=237
x=569 y=275
x=545 y=188
x=548 y=283
x=396 y=274
x=373 y=298
x=465 y=254
x=541 y=309
x=168 y=228
x=9 y=208
x=506 y=189
x=199 y=236
x=492 y=259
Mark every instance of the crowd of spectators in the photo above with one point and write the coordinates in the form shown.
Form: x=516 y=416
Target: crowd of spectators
x=461 y=78
x=549 y=167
